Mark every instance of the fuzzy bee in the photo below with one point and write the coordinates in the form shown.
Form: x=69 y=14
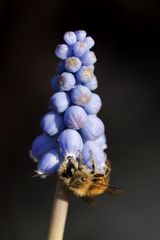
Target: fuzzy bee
x=82 y=169
x=84 y=182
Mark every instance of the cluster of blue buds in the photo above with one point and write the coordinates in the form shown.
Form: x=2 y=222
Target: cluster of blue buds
x=72 y=126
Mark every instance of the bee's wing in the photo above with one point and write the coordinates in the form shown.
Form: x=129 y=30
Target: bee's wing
x=90 y=200
x=115 y=191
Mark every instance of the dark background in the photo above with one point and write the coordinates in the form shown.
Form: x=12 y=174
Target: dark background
x=127 y=48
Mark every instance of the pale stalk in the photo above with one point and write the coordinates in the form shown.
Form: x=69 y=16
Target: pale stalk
x=59 y=213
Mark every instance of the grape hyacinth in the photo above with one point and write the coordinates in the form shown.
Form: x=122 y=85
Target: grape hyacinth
x=71 y=124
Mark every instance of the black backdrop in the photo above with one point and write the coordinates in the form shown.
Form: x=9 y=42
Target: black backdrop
x=127 y=48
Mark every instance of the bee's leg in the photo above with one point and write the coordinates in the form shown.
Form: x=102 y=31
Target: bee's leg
x=108 y=167
x=80 y=161
x=93 y=163
x=90 y=200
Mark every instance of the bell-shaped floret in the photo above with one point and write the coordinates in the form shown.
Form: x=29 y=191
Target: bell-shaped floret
x=85 y=74
x=88 y=58
x=93 y=128
x=72 y=64
x=75 y=117
x=52 y=123
x=81 y=95
x=70 y=38
x=81 y=35
x=80 y=48
x=42 y=144
x=89 y=41
x=49 y=163
x=59 y=102
x=70 y=143
x=63 y=51
x=66 y=81
x=94 y=105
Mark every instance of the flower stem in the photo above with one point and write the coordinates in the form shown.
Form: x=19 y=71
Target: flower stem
x=59 y=213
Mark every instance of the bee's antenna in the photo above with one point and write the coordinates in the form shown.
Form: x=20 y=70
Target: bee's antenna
x=80 y=160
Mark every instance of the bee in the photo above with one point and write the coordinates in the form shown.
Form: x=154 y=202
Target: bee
x=85 y=182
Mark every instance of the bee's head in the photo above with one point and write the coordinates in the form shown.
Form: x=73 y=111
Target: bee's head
x=71 y=166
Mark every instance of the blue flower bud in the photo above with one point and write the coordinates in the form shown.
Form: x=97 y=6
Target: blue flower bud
x=63 y=51
x=94 y=105
x=93 y=84
x=81 y=34
x=70 y=143
x=66 y=81
x=89 y=41
x=49 y=163
x=101 y=142
x=93 y=128
x=41 y=145
x=52 y=123
x=70 y=38
x=88 y=58
x=59 y=102
x=91 y=150
x=85 y=74
x=60 y=67
x=72 y=64
x=54 y=84
x=80 y=48
x=75 y=117
x=81 y=95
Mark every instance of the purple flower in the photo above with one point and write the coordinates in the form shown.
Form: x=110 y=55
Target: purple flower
x=94 y=105
x=75 y=117
x=91 y=150
x=81 y=34
x=80 y=48
x=88 y=58
x=72 y=119
x=93 y=84
x=72 y=64
x=41 y=145
x=70 y=38
x=66 y=81
x=52 y=123
x=63 y=51
x=93 y=128
x=49 y=163
x=70 y=143
x=85 y=74
x=89 y=41
x=81 y=95
x=59 y=102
